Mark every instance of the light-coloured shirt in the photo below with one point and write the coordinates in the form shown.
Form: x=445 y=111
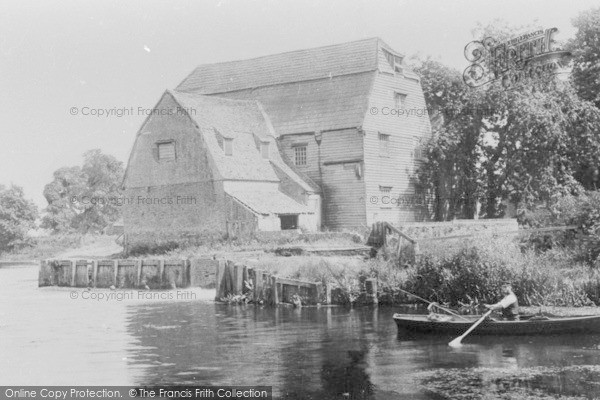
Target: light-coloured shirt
x=508 y=300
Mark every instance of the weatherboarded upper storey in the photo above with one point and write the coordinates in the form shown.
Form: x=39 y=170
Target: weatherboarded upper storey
x=315 y=124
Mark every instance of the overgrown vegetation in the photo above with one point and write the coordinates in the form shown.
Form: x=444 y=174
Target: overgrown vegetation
x=262 y=241
x=17 y=216
x=458 y=271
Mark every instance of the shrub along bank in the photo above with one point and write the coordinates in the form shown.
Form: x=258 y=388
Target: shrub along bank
x=457 y=272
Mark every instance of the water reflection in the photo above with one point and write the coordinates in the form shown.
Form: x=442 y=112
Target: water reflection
x=312 y=353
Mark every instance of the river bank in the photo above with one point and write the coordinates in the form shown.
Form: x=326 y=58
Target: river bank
x=455 y=272
x=312 y=352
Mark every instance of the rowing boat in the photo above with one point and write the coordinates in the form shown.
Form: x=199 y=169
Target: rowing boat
x=528 y=325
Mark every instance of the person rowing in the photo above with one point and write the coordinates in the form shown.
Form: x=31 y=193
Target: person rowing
x=509 y=305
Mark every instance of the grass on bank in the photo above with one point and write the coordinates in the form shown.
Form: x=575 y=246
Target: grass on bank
x=467 y=271
x=452 y=271
x=69 y=245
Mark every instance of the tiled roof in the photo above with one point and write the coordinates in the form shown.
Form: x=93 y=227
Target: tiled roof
x=239 y=120
x=293 y=66
x=268 y=202
x=336 y=103
x=323 y=88
x=244 y=122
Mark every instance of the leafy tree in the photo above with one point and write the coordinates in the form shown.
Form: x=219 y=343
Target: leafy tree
x=529 y=144
x=586 y=51
x=17 y=216
x=84 y=198
x=451 y=173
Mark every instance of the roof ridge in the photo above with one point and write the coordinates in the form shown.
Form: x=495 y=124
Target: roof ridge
x=373 y=38
x=211 y=97
x=216 y=94
x=363 y=46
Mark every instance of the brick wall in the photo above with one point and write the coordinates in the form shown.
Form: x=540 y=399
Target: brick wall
x=191 y=213
x=458 y=227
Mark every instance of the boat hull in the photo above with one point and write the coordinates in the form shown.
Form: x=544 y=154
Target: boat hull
x=420 y=323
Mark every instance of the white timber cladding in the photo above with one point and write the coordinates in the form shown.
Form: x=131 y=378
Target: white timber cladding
x=337 y=166
x=390 y=160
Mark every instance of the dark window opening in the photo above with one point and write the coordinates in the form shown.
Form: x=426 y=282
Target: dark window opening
x=300 y=155
x=166 y=151
x=384 y=145
x=289 y=222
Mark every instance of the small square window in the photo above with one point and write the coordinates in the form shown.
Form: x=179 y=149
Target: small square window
x=166 y=151
x=288 y=222
x=384 y=145
x=300 y=155
x=399 y=100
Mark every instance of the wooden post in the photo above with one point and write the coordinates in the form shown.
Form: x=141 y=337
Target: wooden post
x=371 y=288
x=73 y=271
x=219 y=279
x=138 y=278
x=399 y=249
x=416 y=251
x=45 y=276
x=274 y=291
x=328 y=293
x=161 y=272
x=116 y=272
x=245 y=278
x=81 y=273
x=188 y=272
x=280 y=293
x=94 y=272
x=319 y=291
x=258 y=285
x=238 y=279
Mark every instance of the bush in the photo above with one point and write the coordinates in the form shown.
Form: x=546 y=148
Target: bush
x=582 y=211
x=152 y=249
x=477 y=271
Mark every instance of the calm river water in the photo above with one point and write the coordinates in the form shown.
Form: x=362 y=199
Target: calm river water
x=49 y=337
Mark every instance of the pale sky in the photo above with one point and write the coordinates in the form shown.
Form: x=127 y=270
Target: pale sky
x=56 y=55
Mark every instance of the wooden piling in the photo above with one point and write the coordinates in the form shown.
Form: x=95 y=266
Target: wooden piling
x=82 y=276
x=94 y=272
x=116 y=273
x=219 y=283
x=274 y=291
x=45 y=275
x=328 y=293
x=238 y=279
x=320 y=293
x=371 y=288
x=258 y=285
x=245 y=278
x=73 y=272
x=138 y=280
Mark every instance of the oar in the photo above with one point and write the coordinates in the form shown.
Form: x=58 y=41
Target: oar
x=437 y=305
x=457 y=342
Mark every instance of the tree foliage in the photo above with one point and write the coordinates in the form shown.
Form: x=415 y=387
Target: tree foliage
x=586 y=50
x=84 y=198
x=17 y=216
x=529 y=144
